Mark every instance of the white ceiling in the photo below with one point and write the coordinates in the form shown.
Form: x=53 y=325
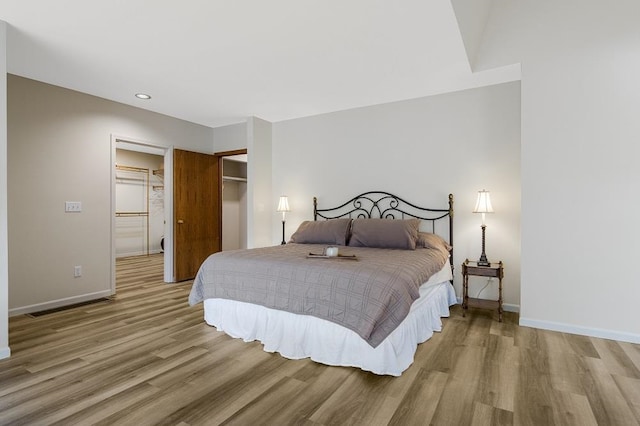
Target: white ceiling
x=216 y=62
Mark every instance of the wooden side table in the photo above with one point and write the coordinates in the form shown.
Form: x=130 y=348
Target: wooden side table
x=494 y=270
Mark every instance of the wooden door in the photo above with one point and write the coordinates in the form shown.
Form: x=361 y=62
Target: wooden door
x=197 y=208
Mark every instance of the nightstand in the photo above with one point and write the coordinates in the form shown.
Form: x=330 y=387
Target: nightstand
x=494 y=270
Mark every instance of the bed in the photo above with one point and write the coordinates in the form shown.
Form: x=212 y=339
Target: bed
x=368 y=307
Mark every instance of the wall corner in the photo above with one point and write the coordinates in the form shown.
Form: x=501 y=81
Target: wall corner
x=4 y=238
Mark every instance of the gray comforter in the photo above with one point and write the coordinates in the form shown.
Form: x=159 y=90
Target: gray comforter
x=370 y=296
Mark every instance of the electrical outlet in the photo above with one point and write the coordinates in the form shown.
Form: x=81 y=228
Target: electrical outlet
x=77 y=271
x=73 y=206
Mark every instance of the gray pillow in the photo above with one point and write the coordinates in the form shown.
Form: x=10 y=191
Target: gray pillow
x=384 y=233
x=333 y=231
x=432 y=241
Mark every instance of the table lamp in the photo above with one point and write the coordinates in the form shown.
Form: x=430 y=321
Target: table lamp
x=483 y=205
x=283 y=206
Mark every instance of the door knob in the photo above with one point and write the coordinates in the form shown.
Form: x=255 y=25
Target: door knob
x=180 y=221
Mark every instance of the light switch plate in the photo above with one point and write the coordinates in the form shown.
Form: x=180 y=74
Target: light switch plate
x=73 y=206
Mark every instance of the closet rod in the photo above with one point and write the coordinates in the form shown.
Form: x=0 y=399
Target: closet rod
x=121 y=214
x=132 y=168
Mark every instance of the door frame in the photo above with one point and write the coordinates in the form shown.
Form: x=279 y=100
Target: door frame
x=139 y=145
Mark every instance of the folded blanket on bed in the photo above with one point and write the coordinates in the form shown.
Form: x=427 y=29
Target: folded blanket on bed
x=370 y=296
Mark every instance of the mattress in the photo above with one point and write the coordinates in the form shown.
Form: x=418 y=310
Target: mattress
x=303 y=336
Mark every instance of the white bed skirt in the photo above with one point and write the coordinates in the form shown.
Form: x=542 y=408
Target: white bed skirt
x=302 y=336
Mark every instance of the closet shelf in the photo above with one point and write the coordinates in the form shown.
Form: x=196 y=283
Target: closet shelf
x=234 y=178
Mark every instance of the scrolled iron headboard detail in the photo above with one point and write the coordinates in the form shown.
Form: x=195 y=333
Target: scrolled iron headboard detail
x=380 y=204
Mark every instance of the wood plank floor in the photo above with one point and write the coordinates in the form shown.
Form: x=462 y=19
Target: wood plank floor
x=148 y=358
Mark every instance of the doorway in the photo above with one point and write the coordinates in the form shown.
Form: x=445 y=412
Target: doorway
x=139 y=190
x=234 y=202
x=130 y=233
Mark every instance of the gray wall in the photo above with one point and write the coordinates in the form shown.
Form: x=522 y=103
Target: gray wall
x=59 y=150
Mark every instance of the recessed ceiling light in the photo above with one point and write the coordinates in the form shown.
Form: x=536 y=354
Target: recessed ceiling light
x=143 y=96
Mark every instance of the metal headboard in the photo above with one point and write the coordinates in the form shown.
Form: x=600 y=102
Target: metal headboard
x=380 y=204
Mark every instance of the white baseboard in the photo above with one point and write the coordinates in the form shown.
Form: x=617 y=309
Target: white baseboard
x=58 y=303
x=5 y=353
x=582 y=331
x=507 y=307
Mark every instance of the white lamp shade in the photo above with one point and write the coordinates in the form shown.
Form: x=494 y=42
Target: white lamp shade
x=483 y=203
x=283 y=204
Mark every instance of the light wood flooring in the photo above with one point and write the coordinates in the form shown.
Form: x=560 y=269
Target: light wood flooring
x=148 y=358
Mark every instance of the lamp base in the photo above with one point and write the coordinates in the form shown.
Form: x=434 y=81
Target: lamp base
x=483 y=261
x=483 y=257
x=283 y=241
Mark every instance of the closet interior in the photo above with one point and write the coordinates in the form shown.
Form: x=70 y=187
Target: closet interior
x=234 y=202
x=139 y=226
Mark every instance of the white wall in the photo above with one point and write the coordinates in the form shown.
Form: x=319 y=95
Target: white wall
x=230 y=138
x=471 y=16
x=131 y=196
x=256 y=195
x=420 y=150
x=234 y=196
x=235 y=199
x=59 y=149
x=580 y=132
x=4 y=256
x=260 y=202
